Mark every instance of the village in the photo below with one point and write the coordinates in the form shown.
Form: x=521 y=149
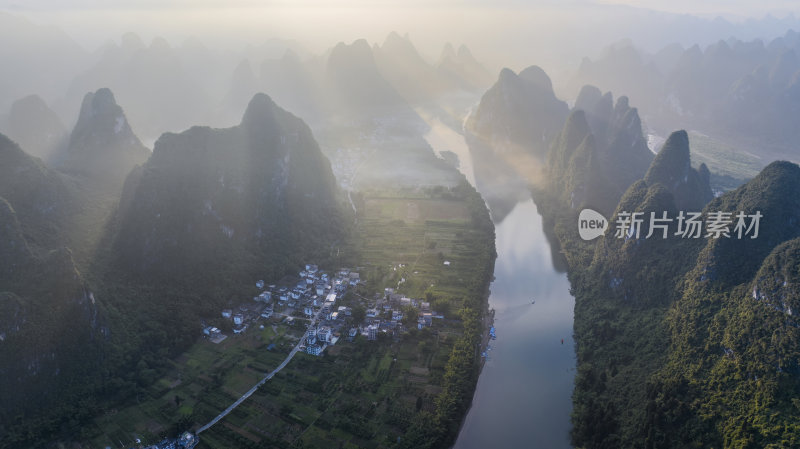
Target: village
x=316 y=295
x=285 y=356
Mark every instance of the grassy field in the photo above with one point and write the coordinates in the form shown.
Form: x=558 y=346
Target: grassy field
x=360 y=394
x=409 y=239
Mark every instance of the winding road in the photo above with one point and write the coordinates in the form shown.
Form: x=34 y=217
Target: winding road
x=263 y=380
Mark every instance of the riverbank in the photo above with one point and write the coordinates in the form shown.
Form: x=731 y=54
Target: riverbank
x=358 y=392
x=524 y=390
x=488 y=324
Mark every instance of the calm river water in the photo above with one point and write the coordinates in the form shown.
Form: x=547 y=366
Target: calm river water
x=524 y=393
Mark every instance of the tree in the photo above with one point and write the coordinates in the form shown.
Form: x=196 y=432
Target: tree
x=359 y=313
x=410 y=316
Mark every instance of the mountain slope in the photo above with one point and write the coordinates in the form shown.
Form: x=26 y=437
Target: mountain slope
x=401 y=64
x=509 y=133
x=36 y=127
x=731 y=375
x=682 y=341
x=673 y=169
x=298 y=85
x=599 y=153
x=102 y=145
x=50 y=332
x=772 y=193
x=574 y=168
x=520 y=112
x=460 y=68
x=40 y=196
x=623 y=154
x=209 y=211
x=359 y=85
x=260 y=192
x=154 y=83
x=740 y=93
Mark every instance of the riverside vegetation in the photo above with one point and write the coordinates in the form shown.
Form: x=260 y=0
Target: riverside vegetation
x=680 y=342
x=685 y=342
x=92 y=339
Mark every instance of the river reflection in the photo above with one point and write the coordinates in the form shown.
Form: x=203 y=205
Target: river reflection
x=523 y=399
x=524 y=393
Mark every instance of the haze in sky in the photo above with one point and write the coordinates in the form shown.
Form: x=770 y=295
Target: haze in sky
x=555 y=35
x=157 y=157
x=742 y=9
x=505 y=32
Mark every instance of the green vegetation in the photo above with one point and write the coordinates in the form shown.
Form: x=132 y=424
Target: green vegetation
x=672 y=169
x=105 y=349
x=687 y=342
x=598 y=154
x=407 y=391
x=82 y=338
x=46 y=310
x=194 y=388
x=216 y=207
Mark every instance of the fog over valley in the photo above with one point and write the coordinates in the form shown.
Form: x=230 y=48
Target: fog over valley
x=399 y=225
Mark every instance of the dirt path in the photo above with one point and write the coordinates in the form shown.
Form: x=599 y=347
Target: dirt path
x=261 y=382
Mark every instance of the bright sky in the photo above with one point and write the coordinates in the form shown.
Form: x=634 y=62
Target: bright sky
x=488 y=27
x=747 y=8
x=729 y=8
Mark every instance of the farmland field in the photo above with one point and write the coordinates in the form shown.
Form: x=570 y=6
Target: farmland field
x=357 y=394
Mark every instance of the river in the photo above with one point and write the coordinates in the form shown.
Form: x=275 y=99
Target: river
x=524 y=393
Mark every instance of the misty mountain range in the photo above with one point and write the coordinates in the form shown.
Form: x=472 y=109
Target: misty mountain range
x=170 y=88
x=131 y=246
x=740 y=92
x=97 y=229
x=92 y=244
x=521 y=133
